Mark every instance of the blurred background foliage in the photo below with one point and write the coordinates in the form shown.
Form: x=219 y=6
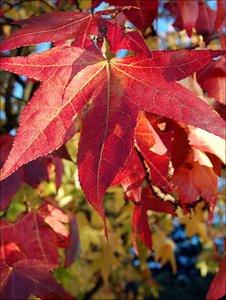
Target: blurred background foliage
x=187 y=248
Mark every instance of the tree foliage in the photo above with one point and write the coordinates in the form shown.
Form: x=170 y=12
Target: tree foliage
x=116 y=110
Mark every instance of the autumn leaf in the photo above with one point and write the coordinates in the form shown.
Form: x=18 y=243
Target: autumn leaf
x=177 y=65
x=29 y=277
x=137 y=124
x=140 y=12
x=33 y=237
x=154 y=153
x=80 y=29
x=115 y=93
x=29 y=253
x=131 y=177
x=73 y=242
x=189 y=13
x=140 y=225
x=212 y=79
x=210 y=21
x=195 y=180
x=57 y=220
x=198 y=15
x=207 y=142
x=196 y=222
x=149 y=152
x=164 y=248
x=217 y=288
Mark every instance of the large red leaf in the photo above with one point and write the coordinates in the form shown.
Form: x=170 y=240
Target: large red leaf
x=29 y=277
x=115 y=93
x=105 y=146
x=218 y=288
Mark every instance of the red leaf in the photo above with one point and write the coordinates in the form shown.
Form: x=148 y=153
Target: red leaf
x=209 y=21
x=199 y=15
x=9 y=188
x=55 y=27
x=207 y=142
x=140 y=224
x=105 y=146
x=73 y=244
x=115 y=93
x=141 y=12
x=218 y=288
x=55 y=218
x=28 y=254
x=29 y=277
x=78 y=28
x=154 y=153
x=175 y=138
x=194 y=180
x=177 y=65
x=189 y=14
x=34 y=239
x=165 y=98
x=212 y=79
x=131 y=177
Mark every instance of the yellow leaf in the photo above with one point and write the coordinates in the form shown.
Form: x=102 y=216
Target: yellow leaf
x=84 y=4
x=195 y=223
x=164 y=248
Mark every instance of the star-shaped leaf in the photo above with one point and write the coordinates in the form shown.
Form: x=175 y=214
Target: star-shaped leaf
x=113 y=92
